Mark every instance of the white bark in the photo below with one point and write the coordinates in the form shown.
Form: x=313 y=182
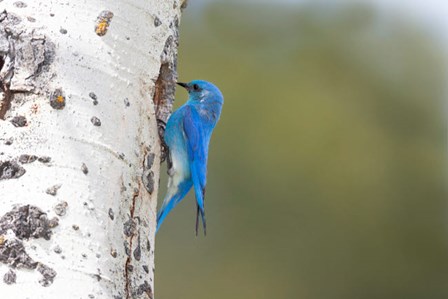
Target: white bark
x=79 y=145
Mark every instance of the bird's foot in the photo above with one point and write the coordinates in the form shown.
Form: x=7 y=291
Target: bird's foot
x=164 y=152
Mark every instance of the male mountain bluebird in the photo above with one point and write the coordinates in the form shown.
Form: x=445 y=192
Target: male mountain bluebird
x=187 y=135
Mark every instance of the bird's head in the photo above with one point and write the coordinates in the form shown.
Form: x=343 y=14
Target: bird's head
x=202 y=91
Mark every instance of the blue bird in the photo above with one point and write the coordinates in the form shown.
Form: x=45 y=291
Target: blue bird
x=187 y=135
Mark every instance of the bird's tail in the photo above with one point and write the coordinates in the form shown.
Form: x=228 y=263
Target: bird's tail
x=171 y=201
x=202 y=212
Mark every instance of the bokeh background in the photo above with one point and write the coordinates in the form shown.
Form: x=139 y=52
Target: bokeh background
x=328 y=170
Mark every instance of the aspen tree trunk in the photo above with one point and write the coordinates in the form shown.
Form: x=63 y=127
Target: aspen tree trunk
x=82 y=87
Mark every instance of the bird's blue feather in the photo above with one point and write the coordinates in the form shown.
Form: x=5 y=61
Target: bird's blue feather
x=197 y=152
x=197 y=157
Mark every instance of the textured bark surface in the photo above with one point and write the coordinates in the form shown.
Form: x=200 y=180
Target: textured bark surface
x=85 y=87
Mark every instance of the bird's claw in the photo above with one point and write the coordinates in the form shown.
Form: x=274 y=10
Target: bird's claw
x=164 y=151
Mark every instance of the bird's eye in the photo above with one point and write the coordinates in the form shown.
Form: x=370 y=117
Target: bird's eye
x=196 y=87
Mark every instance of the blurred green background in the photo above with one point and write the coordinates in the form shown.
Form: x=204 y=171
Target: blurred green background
x=327 y=172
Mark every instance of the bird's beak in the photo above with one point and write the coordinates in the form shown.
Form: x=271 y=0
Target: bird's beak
x=184 y=85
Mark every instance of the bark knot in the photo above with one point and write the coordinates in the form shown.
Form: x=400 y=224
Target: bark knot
x=24 y=222
x=24 y=56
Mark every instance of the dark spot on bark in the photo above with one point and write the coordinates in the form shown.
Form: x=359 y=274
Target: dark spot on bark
x=150 y=160
x=145 y=288
x=93 y=96
x=57 y=99
x=84 y=255
x=148 y=245
x=157 y=22
x=137 y=250
x=6 y=96
x=146 y=269
x=63 y=31
x=130 y=268
x=176 y=22
x=148 y=180
x=84 y=168
x=31 y=19
x=47 y=273
x=9 y=141
x=127 y=251
x=121 y=156
x=13 y=20
x=10 y=170
x=53 y=190
x=12 y=253
x=95 y=121
x=98 y=276
x=113 y=253
x=25 y=159
x=129 y=227
x=126 y=102
x=91 y=296
x=44 y=159
x=51 y=14
x=166 y=49
x=75 y=227
x=61 y=208
x=20 y=4
x=10 y=277
x=57 y=249
x=111 y=214
x=28 y=221
x=47 y=53
x=19 y=121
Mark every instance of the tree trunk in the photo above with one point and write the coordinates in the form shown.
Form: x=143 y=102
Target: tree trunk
x=82 y=87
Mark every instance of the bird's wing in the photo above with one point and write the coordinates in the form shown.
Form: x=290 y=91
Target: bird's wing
x=197 y=148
